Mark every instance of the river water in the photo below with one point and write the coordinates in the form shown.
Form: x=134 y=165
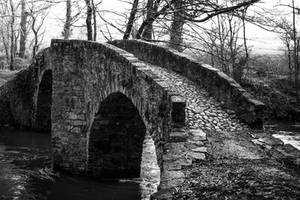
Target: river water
x=288 y=132
x=25 y=170
x=25 y=173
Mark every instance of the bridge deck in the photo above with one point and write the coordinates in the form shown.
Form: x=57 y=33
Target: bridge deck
x=203 y=111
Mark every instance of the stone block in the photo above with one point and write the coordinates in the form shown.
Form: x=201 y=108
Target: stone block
x=171 y=179
x=200 y=149
x=197 y=134
x=195 y=156
x=178 y=136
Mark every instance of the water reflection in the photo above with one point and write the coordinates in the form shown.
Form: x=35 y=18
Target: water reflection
x=289 y=138
x=150 y=172
x=25 y=173
x=75 y=187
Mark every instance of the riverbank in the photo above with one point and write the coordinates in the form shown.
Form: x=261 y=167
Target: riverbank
x=237 y=168
x=277 y=93
x=239 y=179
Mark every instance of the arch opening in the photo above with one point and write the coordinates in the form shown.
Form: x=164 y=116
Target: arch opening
x=116 y=139
x=44 y=102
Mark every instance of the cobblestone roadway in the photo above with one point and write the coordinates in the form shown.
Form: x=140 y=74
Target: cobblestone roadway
x=202 y=110
x=203 y=113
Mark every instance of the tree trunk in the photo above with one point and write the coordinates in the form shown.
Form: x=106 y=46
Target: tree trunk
x=12 y=37
x=297 y=70
x=6 y=50
x=67 y=26
x=245 y=39
x=89 y=14
x=221 y=55
x=131 y=19
x=289 y=60
x=177 y=26
x=151 y=8
x=231 y=48
x=16 y=42
x=296 y=64
x=95 y=20
x=35 y=45
x=150 y=21
x=23 y=26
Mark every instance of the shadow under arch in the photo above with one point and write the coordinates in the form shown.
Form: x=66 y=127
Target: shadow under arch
x=116 y=139
x=44 y=103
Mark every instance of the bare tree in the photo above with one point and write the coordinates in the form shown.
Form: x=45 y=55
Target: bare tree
x=12 y=34
x=287 y=35
x=151 y=9
x=23 y=29
x=131 y=19
x=67 y=26
x=296 y=51
x=5 y=42
x=177 y=26
x=4 y=29
x=221 y=43
x=149 y=21
x=37 y=12
x=195 y=11
x=89 y=13
x=94 y=7
x=243 y=18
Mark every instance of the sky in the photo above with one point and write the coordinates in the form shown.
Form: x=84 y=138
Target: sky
x=259 y=40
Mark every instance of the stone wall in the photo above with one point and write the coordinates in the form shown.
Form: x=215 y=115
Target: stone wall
x=86 y=74
x=224 y=88
x=19 y=95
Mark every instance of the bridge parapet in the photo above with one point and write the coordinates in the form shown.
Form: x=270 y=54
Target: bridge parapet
x=218 y=84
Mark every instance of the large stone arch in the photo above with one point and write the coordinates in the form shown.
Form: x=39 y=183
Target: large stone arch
x=84 y=75
x=115 y=142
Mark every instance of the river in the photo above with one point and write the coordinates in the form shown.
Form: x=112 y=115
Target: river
x=25 y=173
x=288 y=132
x=25 y=170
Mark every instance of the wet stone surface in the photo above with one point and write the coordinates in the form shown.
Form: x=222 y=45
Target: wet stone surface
x=234 y=168
x=238 y=179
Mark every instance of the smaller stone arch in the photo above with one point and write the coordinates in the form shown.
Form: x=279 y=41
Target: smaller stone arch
x=42 y=113
x=116 y=139
x=21 y=92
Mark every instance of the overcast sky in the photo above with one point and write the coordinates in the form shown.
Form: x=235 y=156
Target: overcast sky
x=260 y=40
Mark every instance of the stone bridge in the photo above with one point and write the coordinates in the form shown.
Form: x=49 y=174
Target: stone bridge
x=101 y=100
